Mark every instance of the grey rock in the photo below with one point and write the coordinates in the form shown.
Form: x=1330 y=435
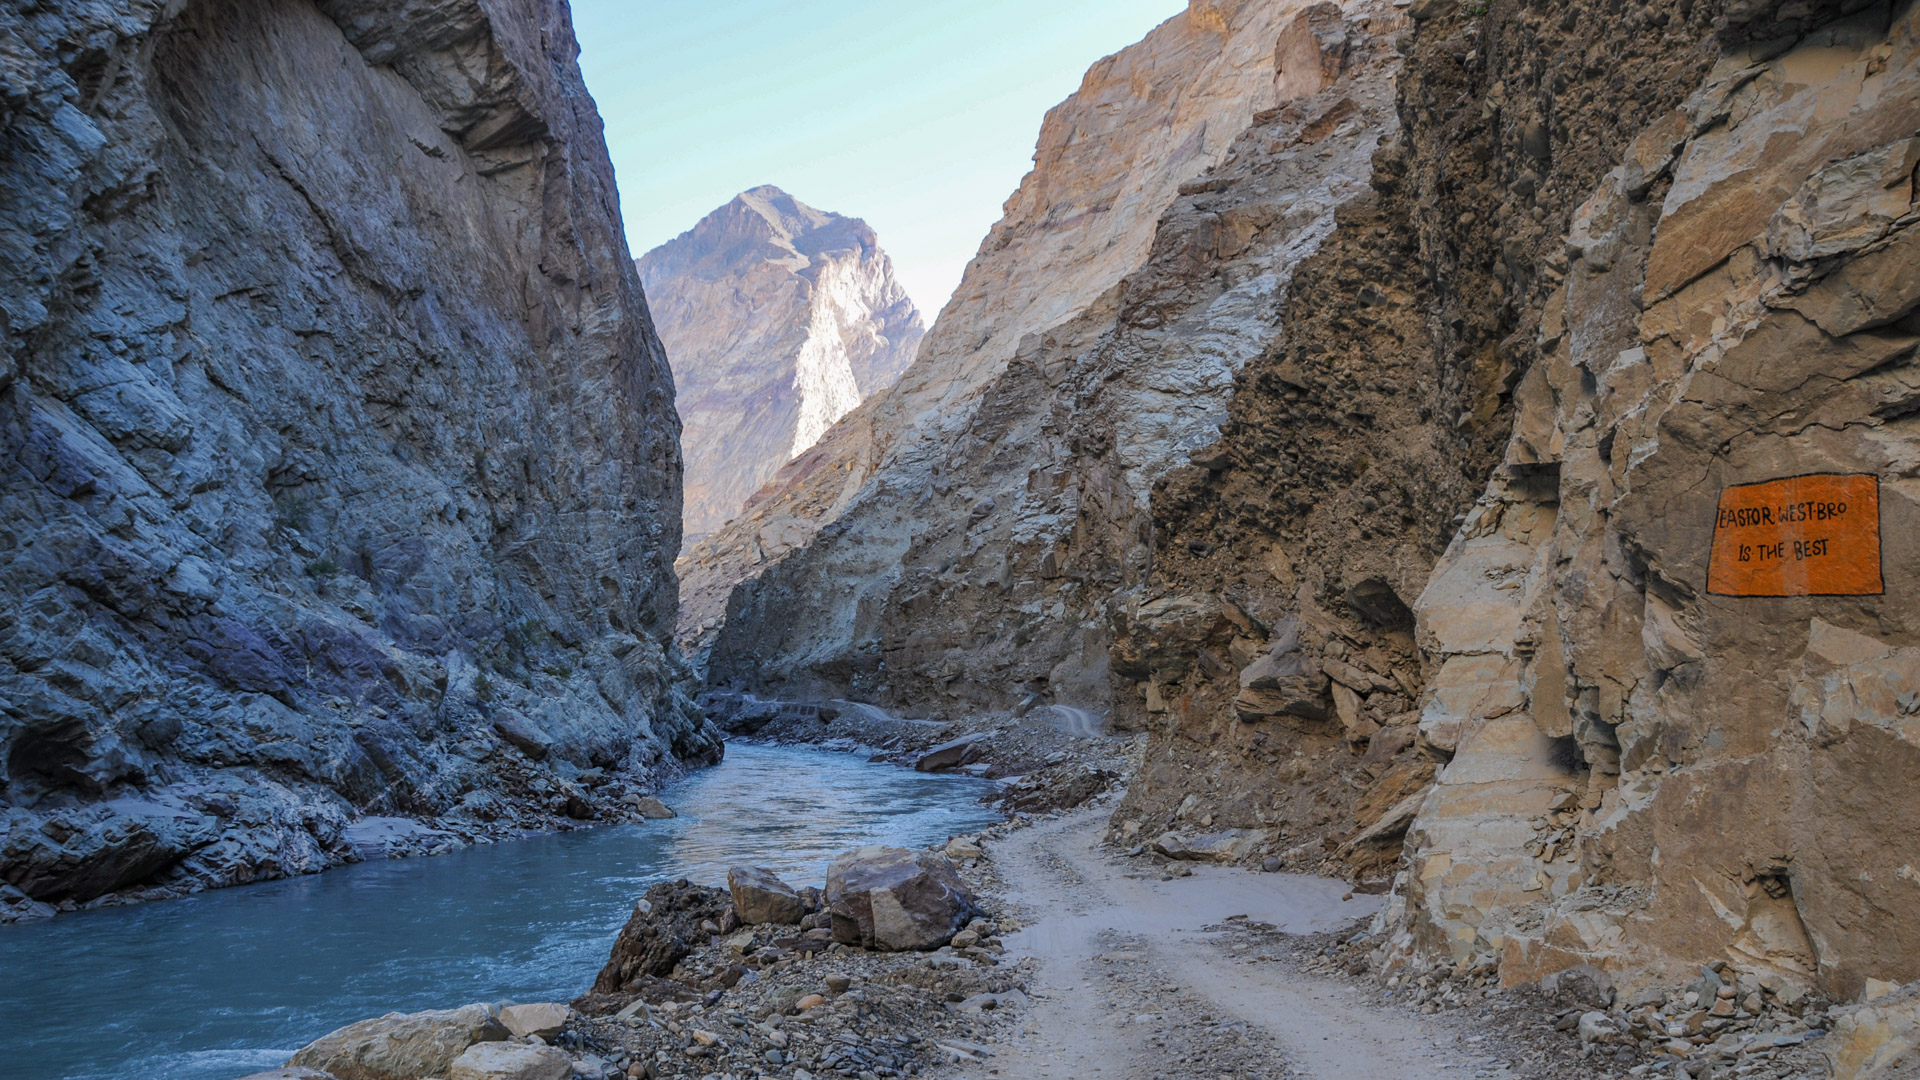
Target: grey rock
x=779 y=319
x=400 y=1046
x=543 y=1018
x=337 y=450
x=896 y=899
x=511 y=1061
x=953 y=754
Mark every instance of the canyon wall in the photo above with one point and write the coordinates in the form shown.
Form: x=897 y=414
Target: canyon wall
x=1521 y=528
x=1630 y=264
x=827 y=543
x=341 y=472
x=778 y=319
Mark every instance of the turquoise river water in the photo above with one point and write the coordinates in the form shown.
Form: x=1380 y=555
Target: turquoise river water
x=229 y=982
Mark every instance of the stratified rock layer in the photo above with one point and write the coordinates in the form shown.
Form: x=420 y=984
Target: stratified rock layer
x=1620 y=261
x=1619 y=289
x=1110 y=162
x=778 y=320
x=340 y=467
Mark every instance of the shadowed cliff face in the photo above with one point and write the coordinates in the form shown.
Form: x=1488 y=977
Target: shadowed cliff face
x=341 y=471
x=778 y=320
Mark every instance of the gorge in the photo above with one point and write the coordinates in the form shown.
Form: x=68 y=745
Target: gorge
x=1413 y=501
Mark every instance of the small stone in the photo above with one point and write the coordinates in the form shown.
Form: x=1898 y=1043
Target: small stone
x=839 y=984
x=811 y=1001
x=965 y=939
x=705 y=1038
x=1722 y=1007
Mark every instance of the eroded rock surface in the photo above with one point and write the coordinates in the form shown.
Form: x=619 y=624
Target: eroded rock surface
x=1109 y=161
x=340 y=472
x=1621 y=262
x=778 y=320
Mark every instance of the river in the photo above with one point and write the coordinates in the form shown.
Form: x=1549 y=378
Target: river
x=223 y=983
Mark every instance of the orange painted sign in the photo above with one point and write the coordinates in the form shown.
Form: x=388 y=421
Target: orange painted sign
x=1813 y=535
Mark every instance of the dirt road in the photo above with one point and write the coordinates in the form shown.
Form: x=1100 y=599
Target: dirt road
x=1129 y=984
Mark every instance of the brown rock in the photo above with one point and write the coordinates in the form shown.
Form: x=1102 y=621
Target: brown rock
x=759 y=896
x=663 y=929
x=896 y=899
x=545 y=1019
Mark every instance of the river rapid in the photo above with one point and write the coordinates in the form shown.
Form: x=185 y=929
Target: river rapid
x=223 y=983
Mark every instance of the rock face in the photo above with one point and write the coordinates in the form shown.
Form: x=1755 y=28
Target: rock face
x=1109 y=162
x=778 y=320
x=896 y=899
x=400 y=1046
x=1551 y=561
x=1637 y=304
x=1691 y=755
x=340 y=469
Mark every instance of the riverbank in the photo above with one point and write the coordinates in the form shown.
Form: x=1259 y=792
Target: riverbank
x=223 y=832
x=1089 y=957
x=1048 y=757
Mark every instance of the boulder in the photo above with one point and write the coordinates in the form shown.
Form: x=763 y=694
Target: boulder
x=542 y=1018
x=511 y=1061
x=400 y=1046
x=664 y=928
x=1283 y=681
x=759 y=896
x=653 y=809
x=521 y=733
x=1225 y=845
x=1870 y=1038
x=1583 y=984
x=896 y=899
x=953 y=754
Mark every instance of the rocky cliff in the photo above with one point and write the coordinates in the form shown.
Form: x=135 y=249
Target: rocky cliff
x=1548 y=565
x=1109 y=162
x=1630 y=265
x=778 y=319
x=341 y=474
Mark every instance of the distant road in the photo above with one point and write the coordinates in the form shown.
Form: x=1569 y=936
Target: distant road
x=1078 y=723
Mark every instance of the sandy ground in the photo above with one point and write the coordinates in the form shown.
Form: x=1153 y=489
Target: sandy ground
x=1129 y=983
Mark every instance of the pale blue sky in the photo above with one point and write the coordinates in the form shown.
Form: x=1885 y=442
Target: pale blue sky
x=919 y=116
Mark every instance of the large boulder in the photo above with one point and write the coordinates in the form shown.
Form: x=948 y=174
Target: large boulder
x=948 y=755
x=400 y=1046
x=664 y=927
x=896 y=899
x=1873 y=1036
x=1224 y=846
x=759 y=896
x=511 y=1061
x=542 y=1018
